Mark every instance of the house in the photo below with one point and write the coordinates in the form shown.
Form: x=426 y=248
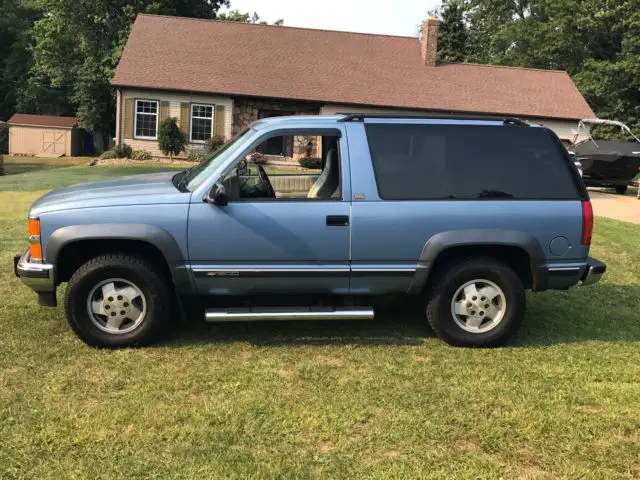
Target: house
x=44 y=135
x=217 y=77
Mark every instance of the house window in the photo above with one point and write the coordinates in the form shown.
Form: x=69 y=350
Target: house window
x=146 y=119
x=201 y=123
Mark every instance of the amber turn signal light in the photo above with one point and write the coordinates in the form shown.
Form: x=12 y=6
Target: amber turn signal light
x=34 y=226
x=35 y=249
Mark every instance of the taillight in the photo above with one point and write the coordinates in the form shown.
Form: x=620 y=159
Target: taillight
x=587 y=223
x=35 y=247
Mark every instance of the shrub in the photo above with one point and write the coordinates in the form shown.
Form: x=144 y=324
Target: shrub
x=123 y=150
x=171 y=139
x=196 y=156
x=108 y=155
x=258 y=158
x=312 y=163
x=140 y=155
x=214 y=143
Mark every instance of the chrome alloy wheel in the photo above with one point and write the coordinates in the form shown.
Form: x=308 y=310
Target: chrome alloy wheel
x=478 y=306
x=116 y=306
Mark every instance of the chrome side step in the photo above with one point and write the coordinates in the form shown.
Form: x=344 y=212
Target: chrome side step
x=294 y=313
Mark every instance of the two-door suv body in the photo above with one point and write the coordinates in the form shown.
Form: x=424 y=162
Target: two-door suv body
x=462 y=215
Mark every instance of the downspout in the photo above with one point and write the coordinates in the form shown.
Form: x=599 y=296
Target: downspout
x=119 y=118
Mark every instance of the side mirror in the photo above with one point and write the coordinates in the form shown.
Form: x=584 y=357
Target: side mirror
x=217 y=196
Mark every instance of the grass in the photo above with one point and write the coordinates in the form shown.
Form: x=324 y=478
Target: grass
x=16 y=164
x=327 y=400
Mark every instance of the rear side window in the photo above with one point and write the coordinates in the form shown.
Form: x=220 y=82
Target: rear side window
x=432 y=162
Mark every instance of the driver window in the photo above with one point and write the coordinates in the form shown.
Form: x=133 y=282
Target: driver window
x=292 y=167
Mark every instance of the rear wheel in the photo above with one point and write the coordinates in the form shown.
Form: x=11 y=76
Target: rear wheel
x=477 y=303
x=117 y=301
x=621 y=189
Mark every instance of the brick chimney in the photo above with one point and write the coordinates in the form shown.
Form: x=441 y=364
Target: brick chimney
x=430 y=41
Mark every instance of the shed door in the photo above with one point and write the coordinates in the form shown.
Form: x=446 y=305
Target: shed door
x=54 y=143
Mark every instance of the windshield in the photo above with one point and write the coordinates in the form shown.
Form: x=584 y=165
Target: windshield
x=200 y=173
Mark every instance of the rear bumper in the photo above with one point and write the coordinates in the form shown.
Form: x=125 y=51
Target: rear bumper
x=593 y=273
x=567 y=276
x=39 y=277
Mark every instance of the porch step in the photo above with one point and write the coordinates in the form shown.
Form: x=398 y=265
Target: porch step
x=288 y=313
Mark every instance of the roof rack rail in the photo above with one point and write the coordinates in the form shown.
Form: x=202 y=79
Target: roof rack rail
x=359 y=117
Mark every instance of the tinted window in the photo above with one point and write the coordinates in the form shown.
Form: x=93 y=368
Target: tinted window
x=414 y=162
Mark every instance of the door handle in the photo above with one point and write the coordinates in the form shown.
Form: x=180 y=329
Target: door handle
x=337 y=220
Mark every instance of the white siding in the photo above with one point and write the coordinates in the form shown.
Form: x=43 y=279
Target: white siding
x=174 y=99
x=565 y=129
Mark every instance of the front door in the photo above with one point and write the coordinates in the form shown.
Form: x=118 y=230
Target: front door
x=278 y=244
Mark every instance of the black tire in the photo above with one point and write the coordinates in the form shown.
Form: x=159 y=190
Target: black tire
x=621 y=190
x=448 y=282
x=140 y=272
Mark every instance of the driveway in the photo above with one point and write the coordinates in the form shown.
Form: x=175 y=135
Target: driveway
x=620 y=207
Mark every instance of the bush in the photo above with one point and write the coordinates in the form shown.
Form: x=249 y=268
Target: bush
x=108 y=155
x=171 y=139
x=196 y=156
x=258 y=158
x=140 y=155
x=123 y=151
x=214 y=143
x=312 y=163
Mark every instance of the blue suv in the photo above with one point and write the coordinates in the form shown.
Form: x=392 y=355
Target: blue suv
x=460 y=214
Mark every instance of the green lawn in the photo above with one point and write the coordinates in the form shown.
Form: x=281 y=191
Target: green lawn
x=323 y=400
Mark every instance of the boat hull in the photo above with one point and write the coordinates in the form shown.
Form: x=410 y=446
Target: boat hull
x=609 y=163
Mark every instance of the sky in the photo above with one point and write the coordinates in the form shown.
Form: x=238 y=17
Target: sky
x=390 y=17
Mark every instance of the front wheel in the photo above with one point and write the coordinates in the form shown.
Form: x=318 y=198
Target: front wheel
x=621 y=189
x=477 y=303
x=117 y=301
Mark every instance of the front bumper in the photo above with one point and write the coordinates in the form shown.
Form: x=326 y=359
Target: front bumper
x=594 y=272
x=39 y=277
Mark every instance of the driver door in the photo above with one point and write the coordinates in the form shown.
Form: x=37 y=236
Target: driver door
x=285 y=245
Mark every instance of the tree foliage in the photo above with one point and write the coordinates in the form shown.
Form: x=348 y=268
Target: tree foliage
x=75 y=47
x=596 y=41
x=237 y=16
x=171 y=139
x=16 y=19
x=452 y=36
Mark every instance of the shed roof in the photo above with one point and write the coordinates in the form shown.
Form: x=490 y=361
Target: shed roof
x=51 y=121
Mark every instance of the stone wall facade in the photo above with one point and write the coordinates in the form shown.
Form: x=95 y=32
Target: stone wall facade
x=248 y=110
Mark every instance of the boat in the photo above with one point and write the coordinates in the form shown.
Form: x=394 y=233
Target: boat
x=607 y=163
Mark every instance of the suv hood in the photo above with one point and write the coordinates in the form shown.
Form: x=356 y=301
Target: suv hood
x=155 y=188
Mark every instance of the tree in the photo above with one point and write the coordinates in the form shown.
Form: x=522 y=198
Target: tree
x=452 y=36
x=16 y=20
x=76 y=47
x=237 y=16
x=171 y=139
x=596 y=41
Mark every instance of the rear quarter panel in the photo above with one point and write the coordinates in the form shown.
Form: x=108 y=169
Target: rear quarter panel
x=395 y=232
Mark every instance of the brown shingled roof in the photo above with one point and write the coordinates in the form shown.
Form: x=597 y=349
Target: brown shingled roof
x=42 y=120
x=331 y=67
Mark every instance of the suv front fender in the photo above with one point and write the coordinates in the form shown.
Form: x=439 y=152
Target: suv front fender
x=151 y=234
x=444 y=241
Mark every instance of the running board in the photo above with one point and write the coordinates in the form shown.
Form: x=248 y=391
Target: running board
x=295 y=313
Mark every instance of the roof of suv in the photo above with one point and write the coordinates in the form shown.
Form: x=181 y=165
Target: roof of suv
x=331 y=120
